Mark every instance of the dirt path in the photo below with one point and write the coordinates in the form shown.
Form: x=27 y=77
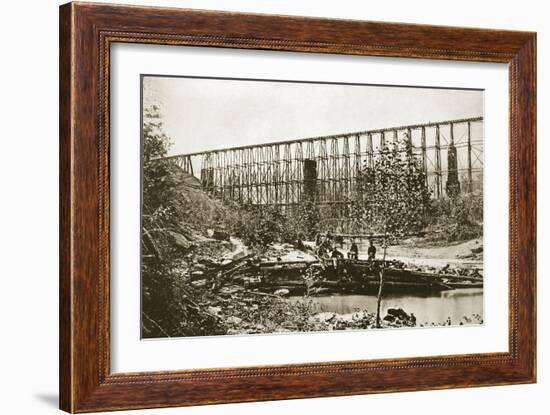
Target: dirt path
x=451 y=251
x=435 y=256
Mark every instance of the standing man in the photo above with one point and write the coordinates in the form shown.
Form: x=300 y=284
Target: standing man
x=329 y=237
x=371 y=251
x=353 y=252
x=336 y=256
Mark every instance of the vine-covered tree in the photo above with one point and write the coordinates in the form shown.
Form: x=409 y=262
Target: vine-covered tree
x=393 y=199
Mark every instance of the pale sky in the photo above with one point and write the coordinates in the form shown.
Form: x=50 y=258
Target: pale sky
x=205 y=114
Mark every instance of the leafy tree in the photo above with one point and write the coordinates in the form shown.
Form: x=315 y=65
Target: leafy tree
x=169 y=301
x=159 y=181
x=303 y=220
x=393 y=199
x=258 y=226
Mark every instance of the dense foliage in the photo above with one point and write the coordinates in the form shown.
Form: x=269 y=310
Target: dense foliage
x=456 y=219
x=394 y=197
x=169 y=301
x=304 y=220
x=258 y=226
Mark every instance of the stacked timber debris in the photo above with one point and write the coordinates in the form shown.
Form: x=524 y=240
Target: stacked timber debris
x=287 y=271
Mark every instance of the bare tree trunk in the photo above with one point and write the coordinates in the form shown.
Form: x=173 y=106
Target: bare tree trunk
x=380 y=286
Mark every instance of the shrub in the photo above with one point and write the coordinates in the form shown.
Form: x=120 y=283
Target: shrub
x=258 y=226
x=457 y=219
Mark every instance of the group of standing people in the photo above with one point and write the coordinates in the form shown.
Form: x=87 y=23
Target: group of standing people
x=325 y=246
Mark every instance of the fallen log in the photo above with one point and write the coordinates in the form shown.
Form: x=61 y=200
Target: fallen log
x=225 y=271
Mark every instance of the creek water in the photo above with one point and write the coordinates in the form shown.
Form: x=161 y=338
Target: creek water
x=434 y=308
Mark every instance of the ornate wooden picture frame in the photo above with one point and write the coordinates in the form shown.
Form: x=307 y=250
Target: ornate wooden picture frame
x=87 y=32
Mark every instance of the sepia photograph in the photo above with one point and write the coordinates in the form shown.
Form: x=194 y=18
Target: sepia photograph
x=291 y=206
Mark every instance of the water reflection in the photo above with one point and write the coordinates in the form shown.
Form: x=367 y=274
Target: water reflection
x=433 y=308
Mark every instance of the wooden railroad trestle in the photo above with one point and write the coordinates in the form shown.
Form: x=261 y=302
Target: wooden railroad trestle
x=275 y=173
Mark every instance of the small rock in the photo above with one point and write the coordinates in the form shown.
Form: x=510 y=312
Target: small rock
x=180 y=240
x=214 y=310
x=234 y=320
x=282 y=292
x=326 y=316
x=220 y=235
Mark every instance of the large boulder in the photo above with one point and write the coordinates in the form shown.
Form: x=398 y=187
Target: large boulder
x=398 y=313
x=180 y=240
